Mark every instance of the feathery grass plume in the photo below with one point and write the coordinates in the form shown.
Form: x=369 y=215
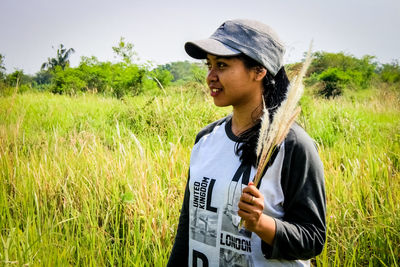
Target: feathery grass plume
x=272 y=134
x=263 y=129
x=138 y=144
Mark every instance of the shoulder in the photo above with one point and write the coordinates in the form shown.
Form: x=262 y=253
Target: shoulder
x=301 y=161
x=209 y=128
x=298 y=139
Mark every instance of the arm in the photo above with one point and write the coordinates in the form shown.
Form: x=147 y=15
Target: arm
x=180 y=250
x=301 y=233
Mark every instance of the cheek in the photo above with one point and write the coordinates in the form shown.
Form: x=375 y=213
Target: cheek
x=243 y=81
x=235 y=78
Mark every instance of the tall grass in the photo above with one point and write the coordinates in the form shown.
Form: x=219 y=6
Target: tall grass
x=359 y=146
x=97 y=181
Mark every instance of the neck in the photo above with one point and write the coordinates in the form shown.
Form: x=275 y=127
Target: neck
x=244 y=118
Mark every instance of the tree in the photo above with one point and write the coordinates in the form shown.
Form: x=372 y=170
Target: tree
x=162 y=77
x=2 y=68
x=125 y=51
x=61 y=60
x=199 y=73
x=335 y=72
x=390 y=73
x=186 y=71
x=43 y=77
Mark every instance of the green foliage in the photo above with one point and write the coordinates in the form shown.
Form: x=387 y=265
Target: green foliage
x=162 y=76
x=338 y=71
x=67 y=81
x=118 y=79
x=15 y=78
x=186 y=71
x=15 y=82
x=43 y=77
x=180 y=70
x=6 y=90
x=61 y=60
x=390 y=73
x=19 y=79
x=124 y=50
x=98 y=75
x=199 y=73
x=330 y=74
x=126 y=80
x=336 y=80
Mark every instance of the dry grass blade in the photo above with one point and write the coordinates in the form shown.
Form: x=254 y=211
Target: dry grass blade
x=263 y=130
x=272 y=135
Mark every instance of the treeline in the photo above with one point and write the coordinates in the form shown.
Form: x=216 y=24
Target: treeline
x=121 y=78
x=330 y=74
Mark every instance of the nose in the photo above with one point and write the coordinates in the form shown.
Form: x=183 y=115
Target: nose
x=212 y=76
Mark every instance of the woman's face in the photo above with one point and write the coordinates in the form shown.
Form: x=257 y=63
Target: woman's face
x=231 y=83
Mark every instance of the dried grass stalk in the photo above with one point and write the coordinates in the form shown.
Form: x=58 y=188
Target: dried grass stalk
x=272 y=134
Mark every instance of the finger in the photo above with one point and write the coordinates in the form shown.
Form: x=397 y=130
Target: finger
x=244 y=214
x=256 y=205
x=247 y=212
x=252 y=190
x=252 y=204
x=246 y=207
x=246 y=197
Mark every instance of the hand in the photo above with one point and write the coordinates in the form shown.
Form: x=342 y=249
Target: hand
x=251 y=206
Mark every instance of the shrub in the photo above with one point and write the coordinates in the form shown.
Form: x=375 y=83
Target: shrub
x=98 y=75
x=199 y=73
x=126 y=80
x=186 y=71
x=337 y=71
x=117 y=79
x=390 y=73
x=42 y=77
x=67 y=81
x=334 y=80
x=161 y=76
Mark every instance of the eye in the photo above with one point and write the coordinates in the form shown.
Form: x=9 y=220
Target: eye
x=221 y=65
x=208 y=65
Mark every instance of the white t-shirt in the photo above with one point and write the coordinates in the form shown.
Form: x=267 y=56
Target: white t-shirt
x=217 y=178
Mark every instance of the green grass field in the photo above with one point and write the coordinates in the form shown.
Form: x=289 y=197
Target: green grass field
x=95 y=181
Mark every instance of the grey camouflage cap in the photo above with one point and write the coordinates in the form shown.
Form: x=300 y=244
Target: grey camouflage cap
x=249 y=37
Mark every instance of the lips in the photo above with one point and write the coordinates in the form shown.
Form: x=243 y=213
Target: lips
x=215 y=91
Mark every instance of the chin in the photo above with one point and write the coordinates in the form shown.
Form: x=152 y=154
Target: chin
x=221 y=104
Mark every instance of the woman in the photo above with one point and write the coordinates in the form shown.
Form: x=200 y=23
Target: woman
x=284 y=219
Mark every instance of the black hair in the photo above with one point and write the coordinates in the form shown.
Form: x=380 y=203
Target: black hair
x=274 y=92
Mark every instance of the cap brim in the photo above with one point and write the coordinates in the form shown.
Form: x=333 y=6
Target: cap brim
x=200 y=48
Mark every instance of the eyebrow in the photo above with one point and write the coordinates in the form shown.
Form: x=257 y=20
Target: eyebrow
x=220 y=57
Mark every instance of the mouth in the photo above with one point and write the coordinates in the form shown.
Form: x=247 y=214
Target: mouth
x=215 y=91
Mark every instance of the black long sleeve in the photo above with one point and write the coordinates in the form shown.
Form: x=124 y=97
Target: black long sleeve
x=301 y=233
x=180 y=250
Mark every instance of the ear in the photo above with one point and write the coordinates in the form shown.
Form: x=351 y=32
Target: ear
x=260 y=73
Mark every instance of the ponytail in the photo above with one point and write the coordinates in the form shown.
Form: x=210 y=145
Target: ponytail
x=274 y=92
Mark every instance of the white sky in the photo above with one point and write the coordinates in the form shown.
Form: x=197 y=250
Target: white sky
x=158 y=29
